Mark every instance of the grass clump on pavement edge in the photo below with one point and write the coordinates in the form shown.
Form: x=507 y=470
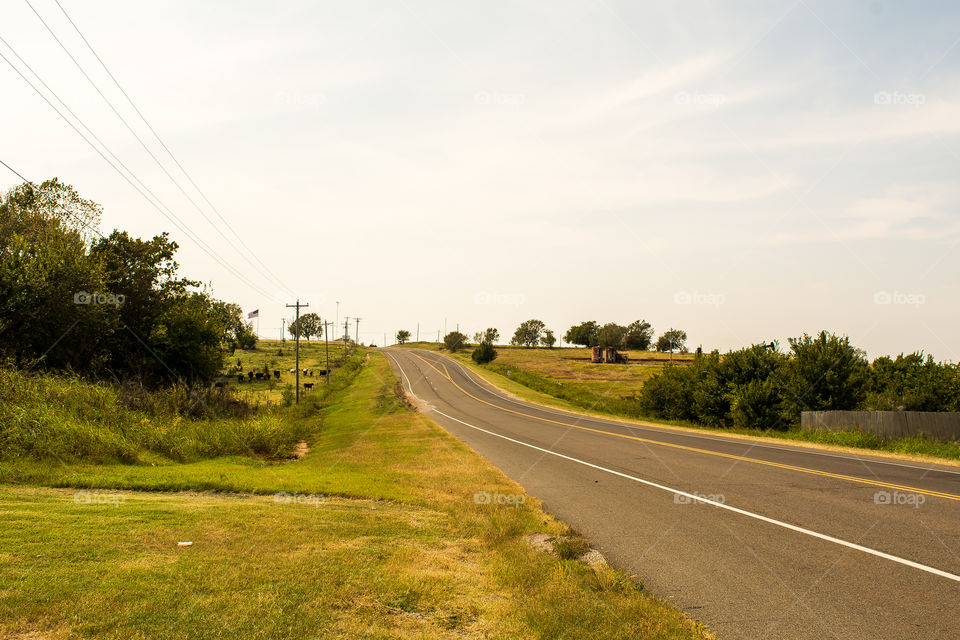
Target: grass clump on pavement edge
x=375 y=533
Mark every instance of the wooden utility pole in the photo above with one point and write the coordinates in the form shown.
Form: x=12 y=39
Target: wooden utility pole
x=297 y=335
x=326 y=344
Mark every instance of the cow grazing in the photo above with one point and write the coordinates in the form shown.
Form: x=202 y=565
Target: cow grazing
x=276 y=374
x=307 y=386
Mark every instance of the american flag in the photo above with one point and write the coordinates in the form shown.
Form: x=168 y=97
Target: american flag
x=253 y=314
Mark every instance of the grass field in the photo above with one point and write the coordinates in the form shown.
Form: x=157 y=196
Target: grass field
x=557 y=380
x=277 y=355
x=374 y=533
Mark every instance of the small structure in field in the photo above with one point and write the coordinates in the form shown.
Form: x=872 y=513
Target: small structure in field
x=607 y=354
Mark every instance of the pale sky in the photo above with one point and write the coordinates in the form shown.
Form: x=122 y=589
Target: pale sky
x=746 y=171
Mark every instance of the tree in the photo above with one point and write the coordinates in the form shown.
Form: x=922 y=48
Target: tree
x=239 y=333
x=611 y=335
x=583 y=334
x=484 y=353
x=454 y=341
x=402 y=336
x=639 y=335
x=549 y=339
x=490 y=335
x=911 y=383
x=528 y=334
x=294 y=329
x=311 y=325
x=825 y=373
x=672 y=340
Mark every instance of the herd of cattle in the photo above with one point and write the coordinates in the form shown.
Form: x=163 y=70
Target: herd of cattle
x=250 y=376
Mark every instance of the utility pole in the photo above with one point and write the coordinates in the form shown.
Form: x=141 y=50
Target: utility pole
x=418 y=332
x=346 y=334
x=283 y=329
x=337 y=323
x=356 y=339
x=298 y=305
x=326 y=344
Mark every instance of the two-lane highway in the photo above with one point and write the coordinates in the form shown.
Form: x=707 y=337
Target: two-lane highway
x=757 y=540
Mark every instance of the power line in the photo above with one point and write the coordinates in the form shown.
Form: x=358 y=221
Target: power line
x=136 y=136
x=86 y=128
x=166 y=148
x=171 y=216
x=14 y=171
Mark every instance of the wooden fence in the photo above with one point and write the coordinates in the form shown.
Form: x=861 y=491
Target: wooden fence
x=938 y=425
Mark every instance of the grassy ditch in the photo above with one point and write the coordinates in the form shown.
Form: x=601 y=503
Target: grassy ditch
x=375 y=533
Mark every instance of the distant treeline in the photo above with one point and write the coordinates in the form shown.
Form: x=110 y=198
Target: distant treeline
x=760 y=387
x=108 y=307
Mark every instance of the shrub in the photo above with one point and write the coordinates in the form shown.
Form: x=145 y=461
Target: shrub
x=454 y=341
x=484 y=353
x=759 y=404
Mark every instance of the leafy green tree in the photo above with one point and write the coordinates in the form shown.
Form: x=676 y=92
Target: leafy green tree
x=484 y=353
x=311 y=325
x=528 y=334
x=825 y=373
x=294 y=329
x=759 y=404
x=639 y=335
x=912 y=383
x=99 y=306
x=611 y=335
x=403 y=336
x=490 y=335
x=548 y=339
x=45 y=278
x=584 y=334
x=672 y=340
x=185 y=343
x=454 y=341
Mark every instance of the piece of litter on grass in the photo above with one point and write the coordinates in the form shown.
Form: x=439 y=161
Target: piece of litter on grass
x=184 y=544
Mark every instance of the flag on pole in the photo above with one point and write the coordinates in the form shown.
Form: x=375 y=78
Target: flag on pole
x=253 y=314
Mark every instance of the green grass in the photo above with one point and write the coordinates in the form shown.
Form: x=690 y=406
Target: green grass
x=375 y=533
x=277 y=355
x=609 y=399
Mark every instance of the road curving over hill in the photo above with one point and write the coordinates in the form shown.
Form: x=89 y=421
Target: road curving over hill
x=755 y=539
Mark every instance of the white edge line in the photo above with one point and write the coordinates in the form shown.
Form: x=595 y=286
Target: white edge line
x=717 y=438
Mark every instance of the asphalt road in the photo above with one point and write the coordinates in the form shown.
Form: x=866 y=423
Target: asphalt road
x=756 y=540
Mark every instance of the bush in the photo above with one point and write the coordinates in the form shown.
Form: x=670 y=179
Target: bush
x=48 y=417
x=484 y=353
x=454 y=341
x=759 y=405
x=825 y=373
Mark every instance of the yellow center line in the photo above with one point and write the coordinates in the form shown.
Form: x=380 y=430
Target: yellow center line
x=877 y=483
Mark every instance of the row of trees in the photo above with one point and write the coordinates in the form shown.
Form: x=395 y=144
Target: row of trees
x=762 y=387
x=637 y=335
x=102 y=306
